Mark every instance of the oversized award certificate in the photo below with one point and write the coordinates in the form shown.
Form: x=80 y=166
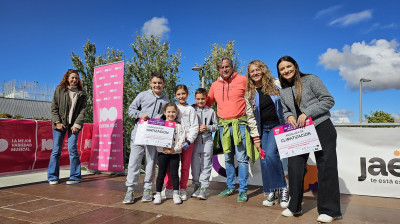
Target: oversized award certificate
x=155 y=132
x=296 y=141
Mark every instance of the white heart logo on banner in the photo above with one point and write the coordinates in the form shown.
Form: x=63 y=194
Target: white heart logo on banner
x=110 y=114
x=3 y=145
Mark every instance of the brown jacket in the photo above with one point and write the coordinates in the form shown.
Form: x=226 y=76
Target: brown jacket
x=61 y=105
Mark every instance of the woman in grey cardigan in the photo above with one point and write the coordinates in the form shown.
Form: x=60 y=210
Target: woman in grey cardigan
x=303 y=96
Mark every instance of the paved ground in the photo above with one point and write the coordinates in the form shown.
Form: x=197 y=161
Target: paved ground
x=98 y=200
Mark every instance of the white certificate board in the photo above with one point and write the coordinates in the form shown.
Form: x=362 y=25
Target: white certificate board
x=155 y=132
x=296 y=141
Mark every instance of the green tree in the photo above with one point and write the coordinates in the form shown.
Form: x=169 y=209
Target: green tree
x=5 y=115
x=86 y=69
x=211 y=72
x=18 y=116
x=150 y=55
x=41 y=119
x=379 y=117
x=219 y=50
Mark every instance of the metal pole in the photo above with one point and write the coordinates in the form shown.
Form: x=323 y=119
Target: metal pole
x=360 y=100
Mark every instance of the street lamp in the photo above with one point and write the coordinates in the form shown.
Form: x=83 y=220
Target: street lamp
x=361 y=81
x=200 y=68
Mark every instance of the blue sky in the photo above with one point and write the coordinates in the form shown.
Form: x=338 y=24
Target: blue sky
x=340 y=41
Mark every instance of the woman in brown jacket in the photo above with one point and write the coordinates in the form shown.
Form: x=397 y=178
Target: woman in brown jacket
x=68 y=111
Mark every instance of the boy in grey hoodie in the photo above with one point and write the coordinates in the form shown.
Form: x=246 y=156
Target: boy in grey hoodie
x=147 y=104
x=203 y=145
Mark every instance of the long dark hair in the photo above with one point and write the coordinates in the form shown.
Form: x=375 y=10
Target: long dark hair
x=297 y=77
x=64 y=81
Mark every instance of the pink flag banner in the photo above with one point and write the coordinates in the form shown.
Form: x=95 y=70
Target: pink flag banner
x=107 y=138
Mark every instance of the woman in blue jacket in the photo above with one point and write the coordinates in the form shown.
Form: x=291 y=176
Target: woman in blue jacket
x=264 y=112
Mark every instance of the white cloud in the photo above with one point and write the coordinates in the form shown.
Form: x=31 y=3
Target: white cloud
x=379 y=61
x=389 y=26
x=376 y=26
x=341 y=116
x=352 y=18
x=373 y=27
x=156 y=26
x=396 y=116
x=328 y=11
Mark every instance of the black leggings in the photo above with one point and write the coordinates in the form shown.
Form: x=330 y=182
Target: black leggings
x=165 y=160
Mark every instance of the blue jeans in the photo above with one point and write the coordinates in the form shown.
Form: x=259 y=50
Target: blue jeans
x=272 y=173
x=243 y=162
x=54 y=164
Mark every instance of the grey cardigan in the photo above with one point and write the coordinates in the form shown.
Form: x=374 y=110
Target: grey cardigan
x=316 y=101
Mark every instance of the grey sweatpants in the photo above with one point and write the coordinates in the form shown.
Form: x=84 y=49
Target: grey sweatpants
x=135 y=162
x=202 y=161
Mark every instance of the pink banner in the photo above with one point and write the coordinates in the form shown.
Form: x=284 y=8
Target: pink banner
x=107 y=138
x=27 y=145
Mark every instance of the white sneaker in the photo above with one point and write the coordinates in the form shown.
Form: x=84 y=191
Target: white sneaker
x=271 y=199
x=167 y=193
x=288 y=213
x=324 y=218
x=196 y=191
x=147 y=195
x=203 y=194
x=177 y=199
x=182 y=193
x=157 y=199
x=69 y=182
x=284 y=197
x=53 y=182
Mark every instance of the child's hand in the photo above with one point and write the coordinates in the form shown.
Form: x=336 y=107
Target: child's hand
x=202 y=128
x=172 y=151
x=166 y=150
x=145 y=117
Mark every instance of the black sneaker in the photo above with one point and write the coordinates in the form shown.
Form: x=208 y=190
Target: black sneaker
x=271 y=199
x=284 y=197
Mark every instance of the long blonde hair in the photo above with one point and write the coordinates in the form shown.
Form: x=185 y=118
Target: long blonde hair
x=268 y=86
